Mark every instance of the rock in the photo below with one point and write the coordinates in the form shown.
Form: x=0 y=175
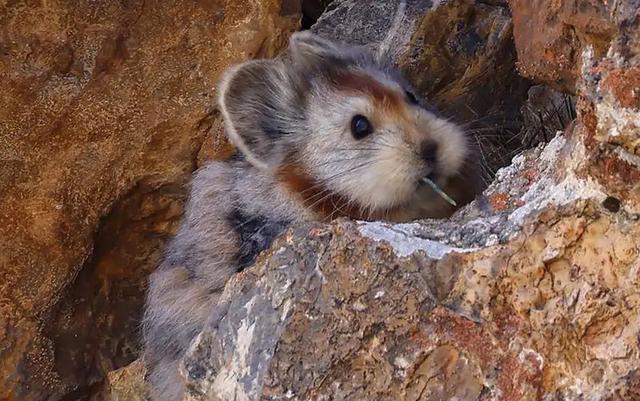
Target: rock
x=532 y=298
x=375 y=311
x=532 y=292
x=609 y=103
x=553 y=55
x=104 y=112
x=125 y=384
x=592 y=49
x=459 y=54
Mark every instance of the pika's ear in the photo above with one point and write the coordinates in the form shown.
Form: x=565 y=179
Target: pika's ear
x=255 y=100
x=309 y=50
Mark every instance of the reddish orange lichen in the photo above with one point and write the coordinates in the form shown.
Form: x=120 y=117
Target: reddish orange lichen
x=499 y=201
x=624 y=85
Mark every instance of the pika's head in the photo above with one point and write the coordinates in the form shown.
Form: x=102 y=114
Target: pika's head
x=343 y=130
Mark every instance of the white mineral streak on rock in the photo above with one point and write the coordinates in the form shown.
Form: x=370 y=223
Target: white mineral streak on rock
x=628 y=157
x=612 y=120
x=528 y=352
x=227 y=384
x=616 y=121
x=403 y=242
x=227 y=387
x=398 y=27
x=546 y=191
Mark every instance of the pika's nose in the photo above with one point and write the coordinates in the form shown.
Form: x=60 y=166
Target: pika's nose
x=429 y=152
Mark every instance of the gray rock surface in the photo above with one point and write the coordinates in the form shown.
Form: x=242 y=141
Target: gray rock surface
x=376 y=25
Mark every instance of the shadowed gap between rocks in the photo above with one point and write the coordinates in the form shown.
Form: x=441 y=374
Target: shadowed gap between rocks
x=312 y=10
x=95 y=328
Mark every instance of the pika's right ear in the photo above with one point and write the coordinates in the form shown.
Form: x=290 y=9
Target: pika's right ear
x=254 y=99
x=308 y=50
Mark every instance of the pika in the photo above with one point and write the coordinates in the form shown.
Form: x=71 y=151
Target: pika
x=328 y=131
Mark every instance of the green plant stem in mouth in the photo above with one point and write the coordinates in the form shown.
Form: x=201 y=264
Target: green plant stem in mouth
x=439 y=191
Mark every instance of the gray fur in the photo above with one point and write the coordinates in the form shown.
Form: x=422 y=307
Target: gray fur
x=278 y=112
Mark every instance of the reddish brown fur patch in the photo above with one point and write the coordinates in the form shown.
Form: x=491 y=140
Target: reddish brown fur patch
x=385 y=98
x=390 y=104
x=317 y=197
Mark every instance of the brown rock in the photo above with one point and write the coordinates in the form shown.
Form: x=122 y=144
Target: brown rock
x=590 y=48
x=624 y=85
x=610 y=108
x=551 y=35
x=444 y=374
x=105 y=108
x=125 y=384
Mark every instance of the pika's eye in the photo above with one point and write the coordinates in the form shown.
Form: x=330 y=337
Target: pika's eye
x=412 y=98
x=360 y=126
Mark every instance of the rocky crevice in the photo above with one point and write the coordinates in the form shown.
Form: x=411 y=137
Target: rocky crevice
x=531 y=292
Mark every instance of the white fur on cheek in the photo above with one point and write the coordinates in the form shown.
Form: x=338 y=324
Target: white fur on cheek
x=376 y=173
x=452 y=144
x=381 y=171
x=388 y=179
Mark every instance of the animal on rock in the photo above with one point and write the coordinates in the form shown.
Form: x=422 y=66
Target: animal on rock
x=327 y=131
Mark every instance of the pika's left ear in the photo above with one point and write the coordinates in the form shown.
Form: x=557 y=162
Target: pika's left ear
x=259 y=103
x=310 y=50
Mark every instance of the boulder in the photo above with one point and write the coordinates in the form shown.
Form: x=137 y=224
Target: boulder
x=592 y=49
x=551 y=36
x=530 y=293
x=125 y=384
x=103 y=116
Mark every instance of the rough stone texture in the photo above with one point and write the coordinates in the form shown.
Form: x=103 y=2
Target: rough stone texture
x=103 y=116
x=459 y=54
x=537 y=297
x=554 y=54
x=610 y=107
x=125 y=384
x=532 y=292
